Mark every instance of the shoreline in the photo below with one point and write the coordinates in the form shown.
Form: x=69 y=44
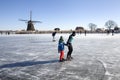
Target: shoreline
x=49 y=32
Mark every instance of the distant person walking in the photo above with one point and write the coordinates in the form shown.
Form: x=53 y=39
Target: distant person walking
x=70 y=47
x=53 y=35
x=85 y=32
x=61 y=49
x=108 y=32
x=112 y=32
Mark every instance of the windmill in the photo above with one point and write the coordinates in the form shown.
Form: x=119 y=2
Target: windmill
x=30 y=26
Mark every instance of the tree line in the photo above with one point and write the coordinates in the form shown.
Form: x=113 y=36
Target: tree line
x=110 y=25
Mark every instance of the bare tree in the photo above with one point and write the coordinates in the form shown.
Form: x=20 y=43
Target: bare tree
x=92 y=26
x=110 y=24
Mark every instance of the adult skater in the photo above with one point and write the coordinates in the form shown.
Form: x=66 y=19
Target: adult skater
x=53 y=35
x=70 y=47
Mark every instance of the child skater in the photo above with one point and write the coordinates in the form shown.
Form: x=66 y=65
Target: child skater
x=61 y=49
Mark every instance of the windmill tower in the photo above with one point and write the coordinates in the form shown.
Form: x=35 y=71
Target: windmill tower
x=30 y=26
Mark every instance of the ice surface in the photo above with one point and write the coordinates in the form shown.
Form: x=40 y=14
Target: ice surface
x=35 y=57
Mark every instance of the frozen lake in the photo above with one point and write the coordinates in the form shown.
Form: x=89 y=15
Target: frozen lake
x=35 y=57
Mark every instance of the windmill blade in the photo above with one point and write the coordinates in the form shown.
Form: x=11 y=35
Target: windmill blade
x=36 y=21
x=22 y=20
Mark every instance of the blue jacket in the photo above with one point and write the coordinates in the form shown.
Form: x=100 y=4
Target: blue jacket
x=61 y=46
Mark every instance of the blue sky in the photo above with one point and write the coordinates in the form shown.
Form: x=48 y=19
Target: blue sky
x=65 y=14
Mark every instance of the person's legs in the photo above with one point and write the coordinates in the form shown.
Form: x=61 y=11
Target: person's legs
x=61 y=55
x=70 y=49
x=71 y=52
x=53 y=37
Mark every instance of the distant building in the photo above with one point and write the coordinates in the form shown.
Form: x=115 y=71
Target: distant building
x=79 y=29
x=117 y=29
x=100 y=30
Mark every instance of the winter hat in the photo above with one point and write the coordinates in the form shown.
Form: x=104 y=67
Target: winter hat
x=61 y=39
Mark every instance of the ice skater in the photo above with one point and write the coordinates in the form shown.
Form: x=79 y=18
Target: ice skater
x=70 y=47
x=53 y=35
x=85 y=32
x=108 y=32
x=112 y=32
x=61 y=49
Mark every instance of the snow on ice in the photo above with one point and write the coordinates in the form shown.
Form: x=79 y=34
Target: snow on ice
x=35 y=57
